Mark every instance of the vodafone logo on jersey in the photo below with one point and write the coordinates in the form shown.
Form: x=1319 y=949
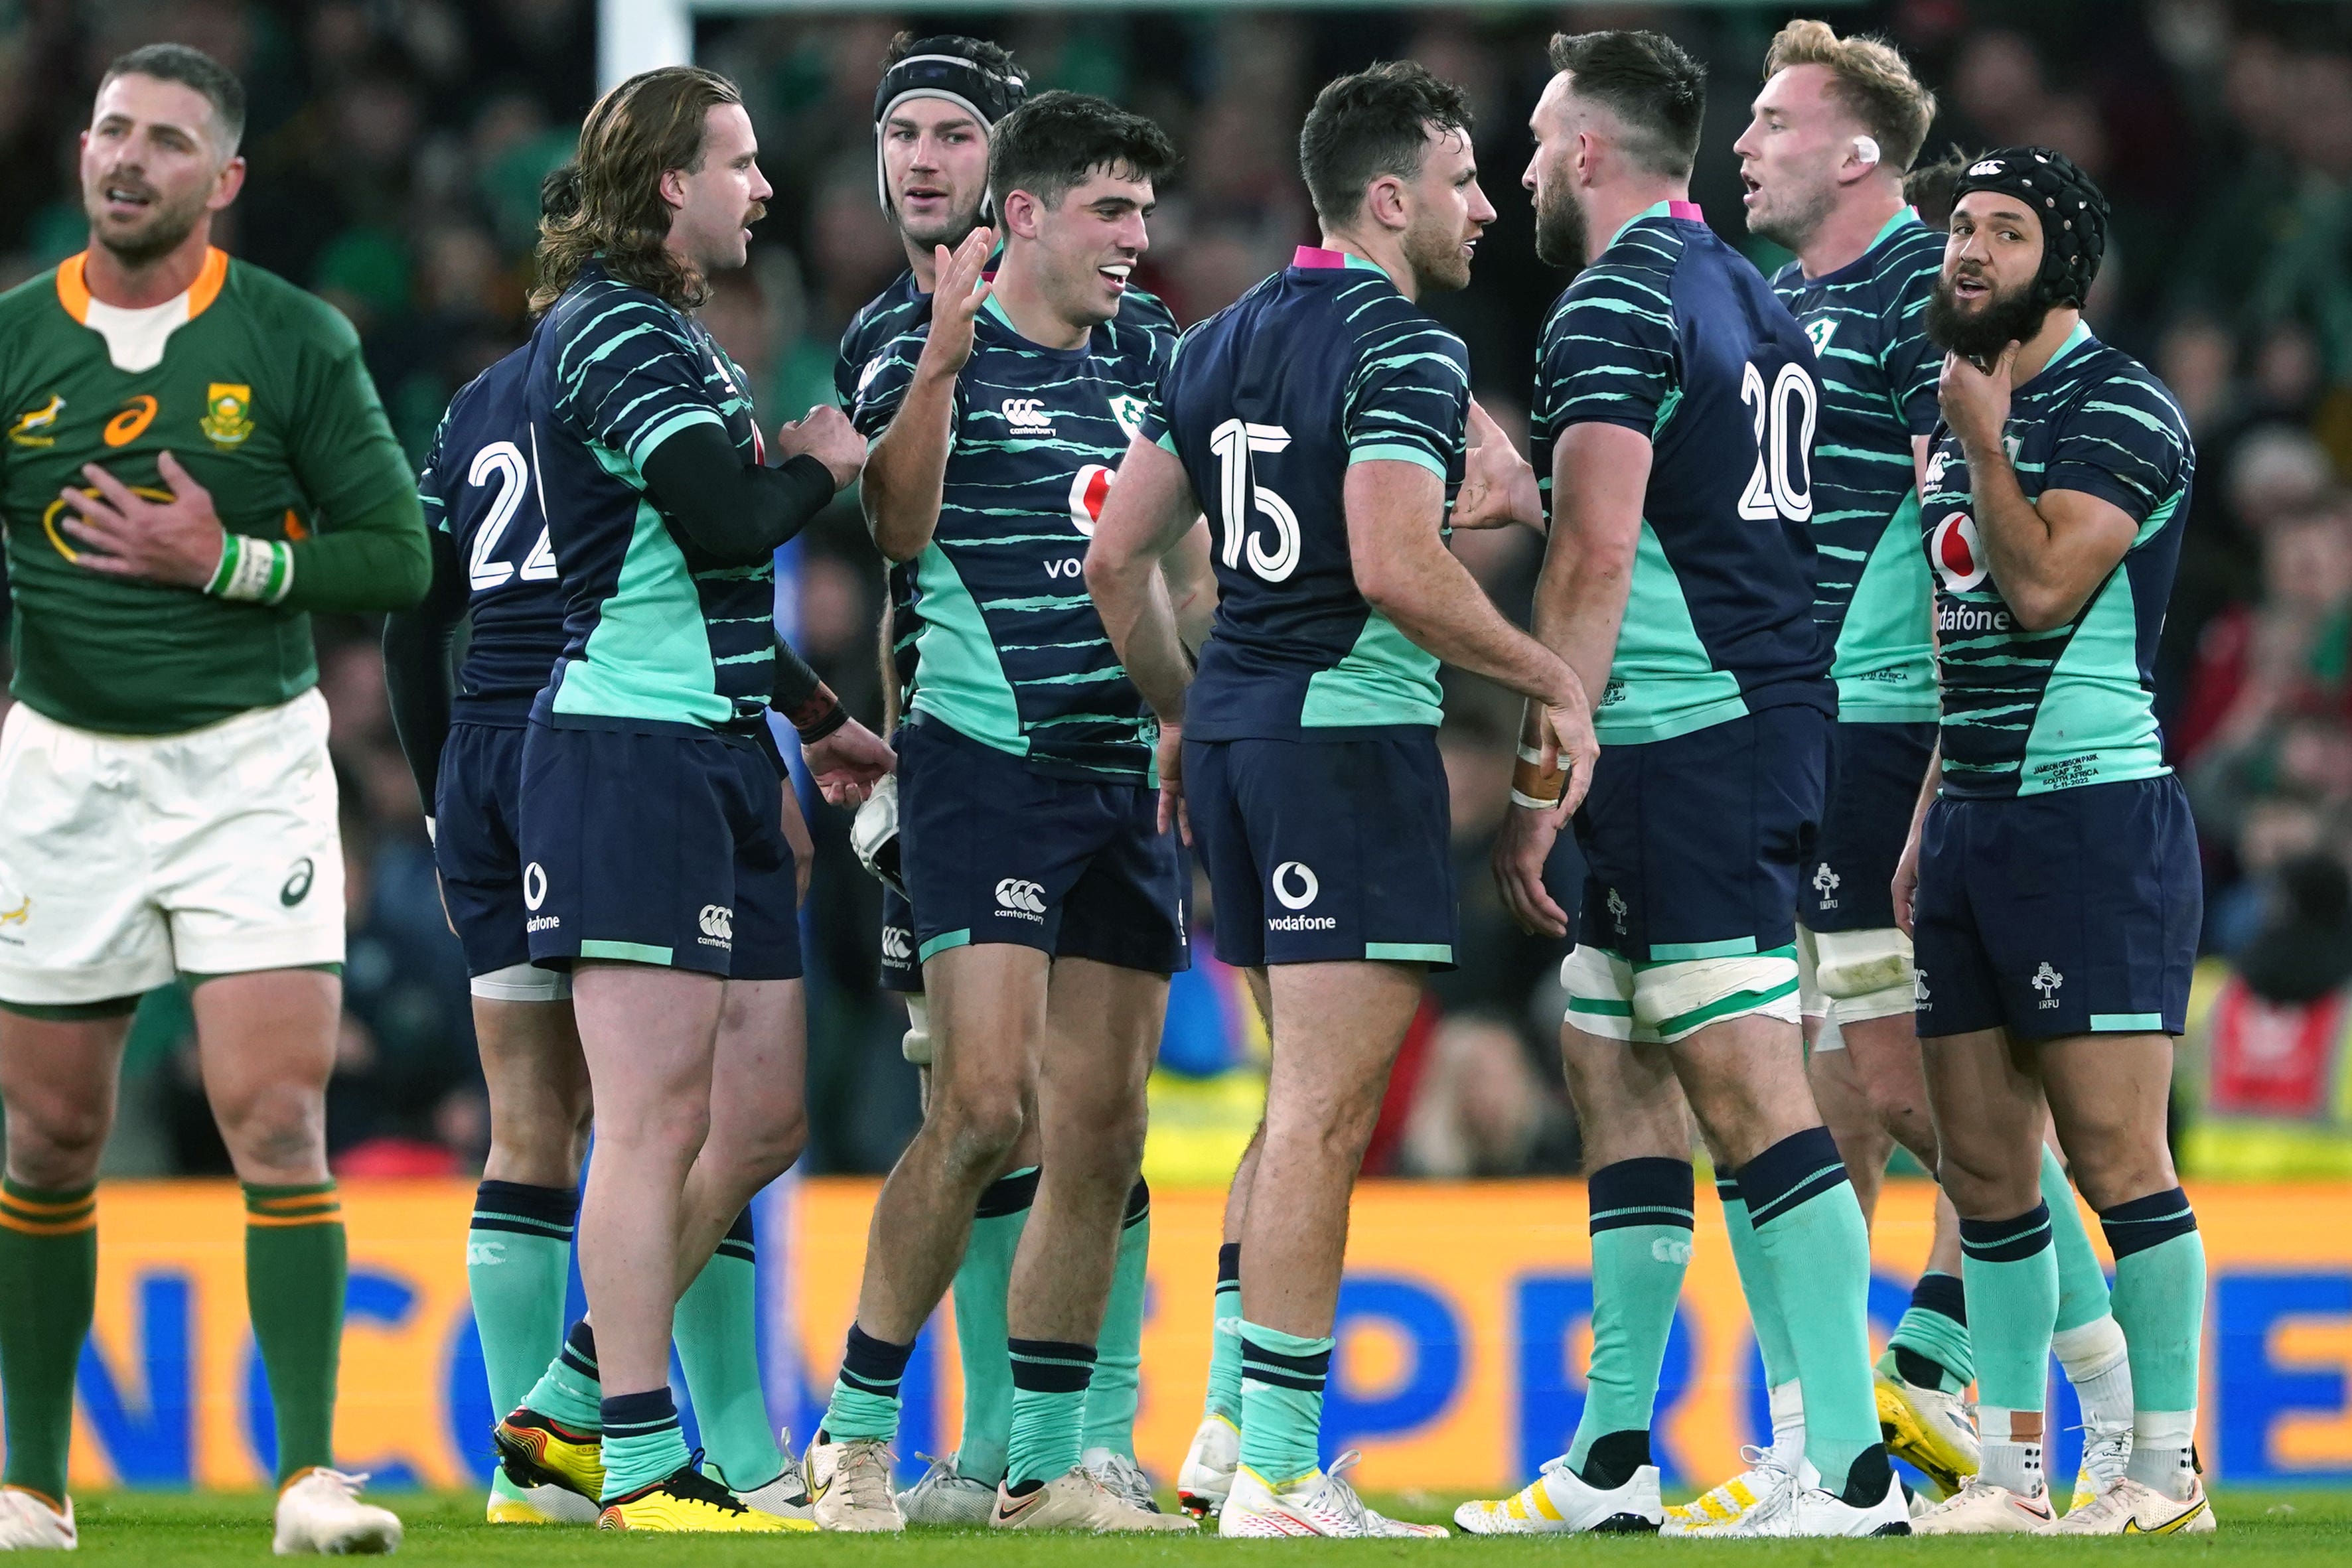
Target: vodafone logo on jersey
x=1956 y=553
x=1089 y=488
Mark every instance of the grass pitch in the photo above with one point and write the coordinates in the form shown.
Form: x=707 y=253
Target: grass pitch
x=169 y=1530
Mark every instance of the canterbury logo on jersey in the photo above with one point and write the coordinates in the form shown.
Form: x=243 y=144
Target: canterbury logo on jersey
x=897 y=944
x=1027 y=415
x=717 y=924
x=1020 y=900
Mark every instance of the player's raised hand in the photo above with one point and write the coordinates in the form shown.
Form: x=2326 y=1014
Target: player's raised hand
x=848 y=763
x=1498 y=484
x=1170 y=752
x=960 y=291
x=826 y=434
x=177 y=541
x=1976 y=402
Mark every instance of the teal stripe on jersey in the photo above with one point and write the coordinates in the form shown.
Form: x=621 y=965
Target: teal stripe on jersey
x=2029 y=712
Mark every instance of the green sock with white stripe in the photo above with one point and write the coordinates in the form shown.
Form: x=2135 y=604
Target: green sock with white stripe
x=1226 y=1338
x=571 y=1391
x=1769 y=1323
x=518 y=1263
x=643 y=1442
x=1929 y=1347
x=2081 y=1283
x=1640 y=1220
x=2160 y=1304
x=2012 y=1280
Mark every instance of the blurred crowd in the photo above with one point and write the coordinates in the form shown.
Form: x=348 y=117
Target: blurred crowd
x=395 y=149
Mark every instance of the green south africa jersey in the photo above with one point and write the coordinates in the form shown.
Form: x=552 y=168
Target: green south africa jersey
x=257 y=389
x=1867 y=323
x=2029 y=712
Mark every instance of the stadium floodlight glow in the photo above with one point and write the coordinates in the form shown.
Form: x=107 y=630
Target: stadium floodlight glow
x=633 y=36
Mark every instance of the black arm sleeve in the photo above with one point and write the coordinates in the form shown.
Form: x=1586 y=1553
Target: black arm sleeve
x=738 y=512
x=416 y=675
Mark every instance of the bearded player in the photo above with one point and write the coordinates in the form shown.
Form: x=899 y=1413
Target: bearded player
x=2052 y=860
x=1829 y=144
x=193 y=460
x=1676 y=410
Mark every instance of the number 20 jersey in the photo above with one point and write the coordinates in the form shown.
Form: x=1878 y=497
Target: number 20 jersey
x=1672 y=333
x=1324 y=365
x=481 y=486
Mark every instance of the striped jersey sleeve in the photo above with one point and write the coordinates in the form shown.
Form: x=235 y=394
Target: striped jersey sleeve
x=882 y=384
x=1608 y=352
x=1409 y=397
x=2124 y=444
x=1913 y=364
x=629 y=376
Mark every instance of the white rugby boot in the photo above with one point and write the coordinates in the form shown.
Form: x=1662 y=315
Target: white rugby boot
x=29 y=1524
x=1122 y=1477
x=1820 y=1513
x=540 y=1505
x=1207 y=1472
x=849 y=1486
x=1985 y=1507
x=2107 y=1453
x=1078 y=1499
x=320 y=1510
x=1559 y=1502
x=1763 y=1484
x=1320 y=1502
x=2135 y=1508
x=947 y=1497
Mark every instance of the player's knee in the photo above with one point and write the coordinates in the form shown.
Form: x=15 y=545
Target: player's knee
x=1983 y=1186
x=54 y=1139
x=277 y=1127
x=976 y=1131
x=2114 y=1164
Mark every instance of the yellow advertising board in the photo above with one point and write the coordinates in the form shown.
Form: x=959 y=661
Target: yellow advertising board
x=1465 y=1326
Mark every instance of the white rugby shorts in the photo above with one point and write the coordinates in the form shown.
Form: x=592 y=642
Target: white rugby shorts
x=125 y=859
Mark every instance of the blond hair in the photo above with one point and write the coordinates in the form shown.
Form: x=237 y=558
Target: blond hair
x=1870 y=77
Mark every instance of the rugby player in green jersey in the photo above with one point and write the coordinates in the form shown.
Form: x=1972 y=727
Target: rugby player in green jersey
x=192 y=458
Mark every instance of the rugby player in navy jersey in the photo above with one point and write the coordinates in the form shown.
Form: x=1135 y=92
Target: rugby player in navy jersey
x=937 y=102
x=1030 y=842
x=655 y=868
x=2053 y=861
x=1321 y=420
x=1676 y=409
x=494 y=570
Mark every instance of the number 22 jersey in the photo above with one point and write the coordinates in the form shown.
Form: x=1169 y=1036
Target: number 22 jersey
x=1324 y=365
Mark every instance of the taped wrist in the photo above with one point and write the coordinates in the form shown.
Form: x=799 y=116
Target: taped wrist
x=254 y=571
x=804 y=700
x=1533 y=785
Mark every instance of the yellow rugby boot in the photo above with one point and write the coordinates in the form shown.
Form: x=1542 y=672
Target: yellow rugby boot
x=538 y=1451
x=1930 y=1428
x=686 y=1500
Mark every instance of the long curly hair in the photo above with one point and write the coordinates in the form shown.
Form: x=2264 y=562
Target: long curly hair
x=637 y=132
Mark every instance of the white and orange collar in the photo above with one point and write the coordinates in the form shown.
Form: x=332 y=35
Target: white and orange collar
x=135 y=338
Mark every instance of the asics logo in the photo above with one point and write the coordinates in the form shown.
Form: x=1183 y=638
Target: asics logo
x=534 y=885
x=1307 y=886
x=1014 y=896
x=1027 y=415
x=897 y=944
x=717 y=920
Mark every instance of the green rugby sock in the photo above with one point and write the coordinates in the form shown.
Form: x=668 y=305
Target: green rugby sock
x=2159 y=1301
x=2081 y=1283
x=1118 y=1357
x=1934 y=1330
x=1816 y=1252
x=1282 y=1402
x=981 y=1282
x=570 y=1392
x=1049 y=1403
x=864 y=1403
x=294 y=1268
x=1226 y=1338
x=517 y=1259
x=717 y=1326
x=49 y=1289
x=1640 y=1219
x=641 y=1443
x=2012 y=1271
x=1770 y=1324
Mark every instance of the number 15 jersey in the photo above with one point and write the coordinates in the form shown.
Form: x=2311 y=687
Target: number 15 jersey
x=1672 y=333
x=1324 y=365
